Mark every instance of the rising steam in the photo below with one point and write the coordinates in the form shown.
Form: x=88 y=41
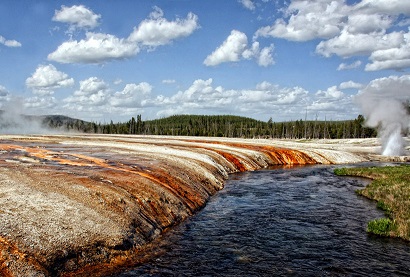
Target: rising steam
x=12 y=121
x=384 y=103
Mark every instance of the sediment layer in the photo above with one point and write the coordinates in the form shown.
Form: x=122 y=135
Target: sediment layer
x=69 y=203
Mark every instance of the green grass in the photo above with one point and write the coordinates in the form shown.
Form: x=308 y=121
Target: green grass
x=391 y=189
x=381 y=226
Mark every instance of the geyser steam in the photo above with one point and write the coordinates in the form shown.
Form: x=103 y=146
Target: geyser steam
x=385 y=104
x=12 y=121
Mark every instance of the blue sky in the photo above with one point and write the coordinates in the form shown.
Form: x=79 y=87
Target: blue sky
x=110 y=60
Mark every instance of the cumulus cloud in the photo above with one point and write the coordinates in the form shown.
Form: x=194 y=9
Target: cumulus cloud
x=364 y=28
x=344 y=66
x=265 y=57
x=95 y=48
x=78 y=17
x=168 y=81
x=3 y=91
x=9 y=43
x=392 y=7
x=204 y=96
x=348 y=44
x=235 y=48
x=46 y=79
x=117 y=81
x=95 y=99
x=39 y=104
x=332 y=93
x=230 y=50
x=156 y=30
x=248 y=4
x=395 y=57
x=350 y=85
x=368 y=23
x=132 y=96
x=332 y=102
x=92 y=92
x=265 y=100
x=307 y=20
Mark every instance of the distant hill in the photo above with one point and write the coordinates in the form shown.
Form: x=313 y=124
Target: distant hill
x=203 y=121
x=55 y=121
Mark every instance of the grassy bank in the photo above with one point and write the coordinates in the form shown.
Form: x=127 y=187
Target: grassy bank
x=391 y=189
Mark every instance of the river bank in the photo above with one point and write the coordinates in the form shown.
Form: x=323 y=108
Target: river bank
x=70 y=203
x=391 y=189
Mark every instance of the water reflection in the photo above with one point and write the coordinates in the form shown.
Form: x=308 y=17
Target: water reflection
x=287 y=221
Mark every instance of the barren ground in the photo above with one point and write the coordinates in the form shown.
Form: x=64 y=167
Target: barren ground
x=71 y=203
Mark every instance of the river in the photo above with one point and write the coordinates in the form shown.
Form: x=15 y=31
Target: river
x=294 y=221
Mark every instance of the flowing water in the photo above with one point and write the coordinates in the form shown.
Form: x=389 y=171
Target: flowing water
x=299 y=221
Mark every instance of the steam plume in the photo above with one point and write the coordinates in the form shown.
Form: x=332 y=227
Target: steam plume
x=384 y=103
x=12 y=121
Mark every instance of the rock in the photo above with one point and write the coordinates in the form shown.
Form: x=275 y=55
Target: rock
x=81 y=201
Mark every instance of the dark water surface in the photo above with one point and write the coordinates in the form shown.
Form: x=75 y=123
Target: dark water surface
x=300 y=221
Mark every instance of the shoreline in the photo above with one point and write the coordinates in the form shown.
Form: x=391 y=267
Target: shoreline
x=72 y=202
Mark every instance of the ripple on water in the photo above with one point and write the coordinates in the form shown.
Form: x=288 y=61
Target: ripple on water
x=302 y=221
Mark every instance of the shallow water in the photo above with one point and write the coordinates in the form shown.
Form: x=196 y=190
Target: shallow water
x=299 y=221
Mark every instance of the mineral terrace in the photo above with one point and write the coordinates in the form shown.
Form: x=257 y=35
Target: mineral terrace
x=75 y=204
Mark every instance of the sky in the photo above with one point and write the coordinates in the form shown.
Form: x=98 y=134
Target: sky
x=285 y=60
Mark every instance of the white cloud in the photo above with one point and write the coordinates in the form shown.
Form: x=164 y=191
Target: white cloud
x=157 y=30
x=46 y=79
x=5 y=98
x=265 y=57
x=95 y=99
x=332 y=93
x=117 y=81
x=203 y=97
x=235 y=47
x=264 y=100
x=368 y=23
x=392 y=58
x=169 y=81
x=230 y=50
x=350 y=85
x=132 y=96
x=78 y=17
x=307 y=20
x=344 y=66
x=39 y=104
x=92 y=92
x=333 y=103
x=3 y=91
x=391 y=7
x=248 y=4
x=252 y=52
x=347 y=44
x=291 y=96
x=99 y=47
x=90 y=86
x=95 y=48
x=396 y=87
x=363 y=28
x=9 y=43
x=388 y=64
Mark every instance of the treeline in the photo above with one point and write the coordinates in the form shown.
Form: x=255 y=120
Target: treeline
x=222 y=126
